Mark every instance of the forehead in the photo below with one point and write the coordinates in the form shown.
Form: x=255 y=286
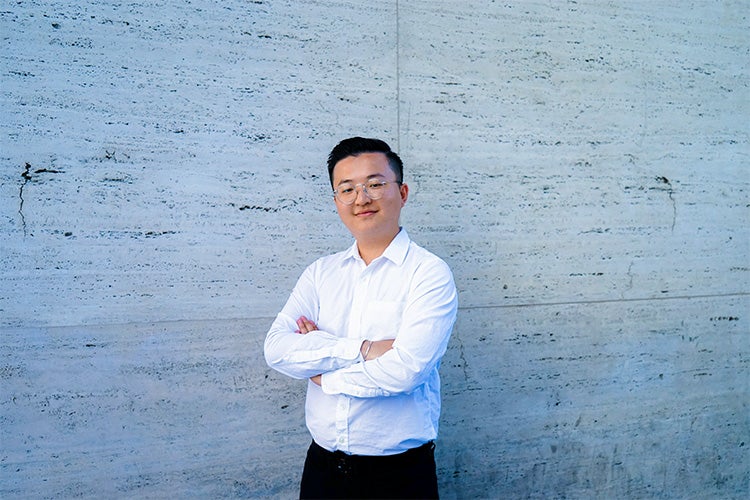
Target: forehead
x=361 y=167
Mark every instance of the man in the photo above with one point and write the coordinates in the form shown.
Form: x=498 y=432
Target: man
x=368 y=327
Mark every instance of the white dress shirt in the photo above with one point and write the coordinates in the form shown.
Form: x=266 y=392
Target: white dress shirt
x=389 y=404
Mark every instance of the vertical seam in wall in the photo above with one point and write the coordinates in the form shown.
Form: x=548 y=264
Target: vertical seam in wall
x=398 y=83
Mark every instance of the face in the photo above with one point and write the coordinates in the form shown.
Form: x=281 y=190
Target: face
x=369 y=219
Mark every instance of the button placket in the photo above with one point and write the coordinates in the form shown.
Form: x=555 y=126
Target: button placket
x=359 y=299
x=342 y=423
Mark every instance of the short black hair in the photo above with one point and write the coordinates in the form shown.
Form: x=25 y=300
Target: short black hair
x=355 y=146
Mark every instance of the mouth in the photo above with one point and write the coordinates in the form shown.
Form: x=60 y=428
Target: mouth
x=365 y=213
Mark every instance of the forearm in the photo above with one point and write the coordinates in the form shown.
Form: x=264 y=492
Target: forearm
x=396 y=372
x=301 y=356
x=373 y=349
x=421 y=341
x=370 y=349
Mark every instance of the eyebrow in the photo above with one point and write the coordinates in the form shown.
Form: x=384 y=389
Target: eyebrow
x=371 y=176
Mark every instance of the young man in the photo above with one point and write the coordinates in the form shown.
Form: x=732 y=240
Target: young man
x=367 y=327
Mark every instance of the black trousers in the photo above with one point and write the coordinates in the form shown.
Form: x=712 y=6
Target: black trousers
x=411 y=474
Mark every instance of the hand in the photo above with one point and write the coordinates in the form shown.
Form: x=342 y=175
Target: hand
x=305 y=325
x=378 y=348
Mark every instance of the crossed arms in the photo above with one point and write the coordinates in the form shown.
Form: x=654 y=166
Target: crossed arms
x=370 y=349
x=402 y=356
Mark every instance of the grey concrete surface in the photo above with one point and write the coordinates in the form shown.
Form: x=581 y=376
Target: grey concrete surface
x=582 y=166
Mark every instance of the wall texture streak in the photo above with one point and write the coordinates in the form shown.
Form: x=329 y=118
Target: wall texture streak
x=583 y=166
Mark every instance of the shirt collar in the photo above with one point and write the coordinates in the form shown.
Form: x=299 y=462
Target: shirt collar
x=395 y=252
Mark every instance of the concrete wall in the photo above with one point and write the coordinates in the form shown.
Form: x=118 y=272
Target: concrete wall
x=583 y=167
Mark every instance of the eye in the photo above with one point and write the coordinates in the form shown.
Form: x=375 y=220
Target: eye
x=346 y=189
x=375 y=185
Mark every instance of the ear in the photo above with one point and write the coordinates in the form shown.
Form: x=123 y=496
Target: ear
x=404 y=190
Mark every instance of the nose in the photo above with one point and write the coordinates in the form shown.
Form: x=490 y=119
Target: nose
x=363 y=196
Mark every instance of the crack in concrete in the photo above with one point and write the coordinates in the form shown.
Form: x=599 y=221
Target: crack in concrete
x=26 y=174
x=462 y=356
x=629 y=287
x=670 y=193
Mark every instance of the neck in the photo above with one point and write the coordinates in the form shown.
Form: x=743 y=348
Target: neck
x=370 y=248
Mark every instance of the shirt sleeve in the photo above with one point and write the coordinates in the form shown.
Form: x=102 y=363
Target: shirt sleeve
x=304 y=356
x=420 y=343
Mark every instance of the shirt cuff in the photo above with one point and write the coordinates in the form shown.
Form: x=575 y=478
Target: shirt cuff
x=349 y=349
x=334 y=383
x=343 y=382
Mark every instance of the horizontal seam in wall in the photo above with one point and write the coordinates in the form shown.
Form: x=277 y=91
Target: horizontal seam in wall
x=269 y=319
x=603 y=301
x=138 y=324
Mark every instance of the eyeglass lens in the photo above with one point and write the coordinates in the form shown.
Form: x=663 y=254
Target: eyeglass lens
x=347 y=193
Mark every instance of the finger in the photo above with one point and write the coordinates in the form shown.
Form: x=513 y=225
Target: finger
x=302 y=326
x=309 y=324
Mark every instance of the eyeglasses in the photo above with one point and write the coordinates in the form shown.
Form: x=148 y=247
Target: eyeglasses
x=346 y=193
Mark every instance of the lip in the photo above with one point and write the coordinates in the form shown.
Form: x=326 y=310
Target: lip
x=365 y=213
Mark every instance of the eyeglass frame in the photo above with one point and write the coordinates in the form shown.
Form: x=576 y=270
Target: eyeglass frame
x=363 y=185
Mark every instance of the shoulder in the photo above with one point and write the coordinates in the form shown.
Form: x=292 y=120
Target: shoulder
x=330 y=261
x=423 y=260
x=431 y=277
